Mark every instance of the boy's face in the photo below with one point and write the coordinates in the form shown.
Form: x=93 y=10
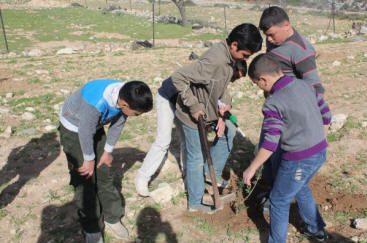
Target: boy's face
x=262 y=83
x=125 y=108
x=277 y=34
x=238 y=54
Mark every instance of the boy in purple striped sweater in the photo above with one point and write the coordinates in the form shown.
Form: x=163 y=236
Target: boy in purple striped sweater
x=296 y=118
x=296 y=56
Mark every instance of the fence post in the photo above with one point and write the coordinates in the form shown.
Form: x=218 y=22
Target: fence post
x=225 y=19
x=3 y=27
x=153 y=22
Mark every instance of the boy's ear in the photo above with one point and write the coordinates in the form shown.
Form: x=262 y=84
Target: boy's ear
x=123 y=103
x=286 y=25
x=234 y=44
x=265 y=78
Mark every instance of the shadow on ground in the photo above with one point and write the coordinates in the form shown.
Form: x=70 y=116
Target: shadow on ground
x=152 y=229
x=60 y=222
x=27 y=162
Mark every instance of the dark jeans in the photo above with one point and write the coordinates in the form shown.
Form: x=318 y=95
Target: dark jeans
x=97 y=198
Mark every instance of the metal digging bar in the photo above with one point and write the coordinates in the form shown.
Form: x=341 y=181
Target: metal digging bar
x=205 y=145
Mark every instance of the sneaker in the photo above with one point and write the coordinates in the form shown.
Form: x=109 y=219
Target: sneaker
x=141 y=185
x=93 y=237
x=202 y=208
x=118 y=230
x=320 y=236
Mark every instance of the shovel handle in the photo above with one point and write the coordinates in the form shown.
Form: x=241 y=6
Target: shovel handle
x=205 y=146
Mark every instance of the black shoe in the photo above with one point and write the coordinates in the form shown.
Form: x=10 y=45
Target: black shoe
x=263 y=203
x=320 y=236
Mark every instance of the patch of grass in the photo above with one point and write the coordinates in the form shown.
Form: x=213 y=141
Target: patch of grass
x=53 y=196
x=204 y=225
x=58 y=24
x=156 y=206
x=3 y=213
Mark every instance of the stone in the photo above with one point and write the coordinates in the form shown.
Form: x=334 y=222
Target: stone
x=4 y=110
x=12 y=54
x=7 y=132
x=162 y=194
x=28 y=116
x=48 y=120
x=65 y=91
x=323 y=38
x=157 y=79
x=29 y=131
x=29 y=109
x=199 y=45
x=360 y=223
x=363 y=30
x=56 y=107
x=49 y=128
x=350 y=57
x=364 y=124
x=40 y=72
x=336 y=63
x=66 y=51
x=365 y=54
x=9 y=95
x=337 y=122
x=355 y=238
x=35 y=53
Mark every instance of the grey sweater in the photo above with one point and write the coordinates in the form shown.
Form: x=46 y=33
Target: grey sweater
x=78 y=114
x=294 y=115
x=297 y=58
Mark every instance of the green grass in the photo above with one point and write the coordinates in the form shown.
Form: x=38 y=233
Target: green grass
x=25 y=27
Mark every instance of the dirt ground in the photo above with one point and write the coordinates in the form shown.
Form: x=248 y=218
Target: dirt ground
x=36 y=202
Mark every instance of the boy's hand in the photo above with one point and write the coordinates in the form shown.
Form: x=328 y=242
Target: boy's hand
x=87 y=168
x=223 y=109
x=326 y=128
x=221 y=126
x=196 y=115
x=247 y=175
x=106 y=158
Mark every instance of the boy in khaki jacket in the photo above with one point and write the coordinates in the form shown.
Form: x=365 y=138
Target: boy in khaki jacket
x=210 y=76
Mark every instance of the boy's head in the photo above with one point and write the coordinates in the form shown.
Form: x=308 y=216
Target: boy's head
x=243 y=41
x=264 y=71
x=135 y=98
x=240 y=70
x=274 y=22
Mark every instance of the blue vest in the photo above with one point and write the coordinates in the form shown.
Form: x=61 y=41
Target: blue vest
x=93 y=93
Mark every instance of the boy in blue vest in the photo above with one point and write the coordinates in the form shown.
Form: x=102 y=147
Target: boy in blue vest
x=296 y=118
x=88 y=149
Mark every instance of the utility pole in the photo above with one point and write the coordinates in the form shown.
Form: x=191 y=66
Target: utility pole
x=153 y=22
x=333 y=14
x=3 y=27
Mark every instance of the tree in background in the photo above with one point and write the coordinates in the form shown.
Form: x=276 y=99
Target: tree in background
x=181 y=7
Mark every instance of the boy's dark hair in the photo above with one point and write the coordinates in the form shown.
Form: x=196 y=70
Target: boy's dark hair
x=247 y=37
x=263 y=64
x=137 y=95
x=272 y=16
x=241 y=65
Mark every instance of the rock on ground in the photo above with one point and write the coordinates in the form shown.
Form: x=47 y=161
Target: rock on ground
x=337 y=122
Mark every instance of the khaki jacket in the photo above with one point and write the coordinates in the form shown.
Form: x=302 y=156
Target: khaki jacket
x=210 y=75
